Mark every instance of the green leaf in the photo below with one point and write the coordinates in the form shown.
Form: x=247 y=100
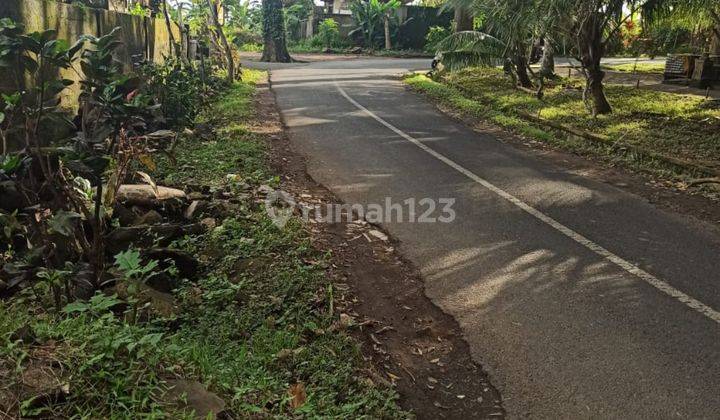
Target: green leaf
x=62 y=222
x=75 y=307
x=128 y=260
x=101 y=302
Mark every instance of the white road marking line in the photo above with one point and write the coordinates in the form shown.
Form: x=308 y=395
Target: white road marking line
x=587 y=243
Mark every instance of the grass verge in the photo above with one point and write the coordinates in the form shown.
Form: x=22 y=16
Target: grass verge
x=645 y=68
x=686 y=127
x=256 y=327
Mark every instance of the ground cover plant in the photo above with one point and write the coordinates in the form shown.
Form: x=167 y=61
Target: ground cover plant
x=651 y=68
x=687 y=127
x=250 y=329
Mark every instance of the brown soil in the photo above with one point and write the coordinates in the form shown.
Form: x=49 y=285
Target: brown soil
x=409 y=342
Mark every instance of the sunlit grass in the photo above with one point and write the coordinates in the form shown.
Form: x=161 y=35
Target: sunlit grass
x=637 y=67
x=679 y=125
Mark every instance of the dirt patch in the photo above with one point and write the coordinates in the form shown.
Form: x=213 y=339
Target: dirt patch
x=408 y=341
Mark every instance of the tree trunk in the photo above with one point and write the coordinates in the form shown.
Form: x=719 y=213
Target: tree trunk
x=173 y=45
x=547 y=68
x=184 y=38
x=715 y=44
x=221 y=35
x=275 y=47
x=521 y=70
x=309 y=25
x=591 y=48
x=388 y=44
x=463 y=20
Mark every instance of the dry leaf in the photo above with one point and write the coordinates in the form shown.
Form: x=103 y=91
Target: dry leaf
x=148 y=180
x=298 y=395
x=148 y=161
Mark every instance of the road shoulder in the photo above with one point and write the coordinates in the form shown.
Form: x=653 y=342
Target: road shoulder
x=409 y=341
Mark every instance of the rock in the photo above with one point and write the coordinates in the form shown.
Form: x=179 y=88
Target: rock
x=223 y=208
x=198 y=188
x=265 y=190
x=192 y=396
x=346 y=321
x=122 y=238
x=162 y=282
x=356 y=50
x=196 y=208
x=196 y=195
x=204 y=131
x=83 y=281
x=186 y=264
x=13 y=274
x=10 y=197
x=379 y=235
x=124 y=215
x=144 y=195
x=151 y=217
x=240 y=198
x=209 y=222
x=160 y=303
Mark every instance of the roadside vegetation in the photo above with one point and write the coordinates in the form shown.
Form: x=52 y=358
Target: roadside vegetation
x=645 y=68
x=139 y=273
x=486 y=71
x=686 y=127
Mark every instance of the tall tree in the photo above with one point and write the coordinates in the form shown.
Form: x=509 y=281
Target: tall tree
x=511 y=26
x=274 y=36
x=218 y=29
x=463 y=19
x=687 y=13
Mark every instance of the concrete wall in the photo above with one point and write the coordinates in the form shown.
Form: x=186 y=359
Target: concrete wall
x=143 y=38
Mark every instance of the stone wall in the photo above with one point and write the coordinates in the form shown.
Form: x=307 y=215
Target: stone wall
x=142 y=37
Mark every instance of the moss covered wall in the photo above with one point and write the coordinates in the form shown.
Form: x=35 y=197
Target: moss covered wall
x=143 y=38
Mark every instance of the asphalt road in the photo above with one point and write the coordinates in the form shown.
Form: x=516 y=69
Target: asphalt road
x=579 y=299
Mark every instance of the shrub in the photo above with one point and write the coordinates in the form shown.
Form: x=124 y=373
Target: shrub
x=434 y=36
x=328 y=33
x=178 y=89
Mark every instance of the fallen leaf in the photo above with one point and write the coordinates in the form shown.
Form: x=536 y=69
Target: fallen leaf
x=298 y=395
x=148 y=180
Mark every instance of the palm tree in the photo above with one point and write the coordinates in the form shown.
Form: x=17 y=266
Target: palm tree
x=587 y=24
x=511 y=27
x=689 y=12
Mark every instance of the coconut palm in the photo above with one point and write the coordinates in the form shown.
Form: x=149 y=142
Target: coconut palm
x=511 y=26
x=686 y=13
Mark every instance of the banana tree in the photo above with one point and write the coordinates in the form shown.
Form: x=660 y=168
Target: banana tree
x=370 y=16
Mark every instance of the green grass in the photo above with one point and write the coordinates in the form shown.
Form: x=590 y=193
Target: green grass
x=257 y=320
x=648 y=68
x=682 y=126
x=250 y=48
